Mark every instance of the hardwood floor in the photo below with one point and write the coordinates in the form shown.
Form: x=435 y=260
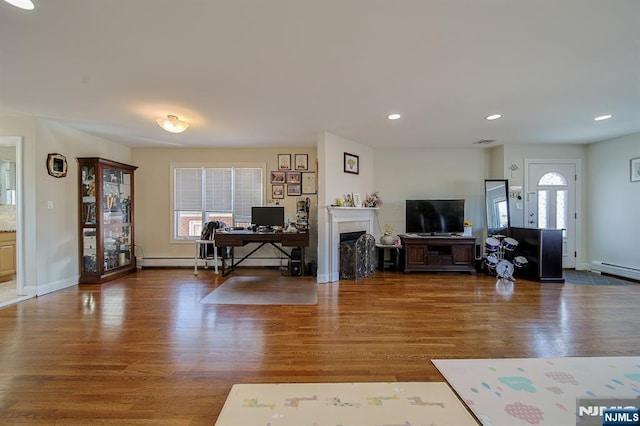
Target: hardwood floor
x=8 y=291
x=143 y=350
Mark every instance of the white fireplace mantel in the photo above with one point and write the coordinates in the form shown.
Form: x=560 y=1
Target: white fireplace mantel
x=338 y=215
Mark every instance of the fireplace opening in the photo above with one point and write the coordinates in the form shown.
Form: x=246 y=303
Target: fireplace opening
x=350 y=237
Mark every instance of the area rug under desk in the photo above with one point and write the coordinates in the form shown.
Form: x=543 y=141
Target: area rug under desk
x=265 y=290
x=355 y=404
x=539 y=391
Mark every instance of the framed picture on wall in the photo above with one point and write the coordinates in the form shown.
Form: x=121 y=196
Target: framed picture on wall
x=278 y=177
x=293 y=177
x=293 y=189
x=302 y=162
x=351 y=163
x=309 y=183
x=284 y=161
x=57 y=165
x=277 y=191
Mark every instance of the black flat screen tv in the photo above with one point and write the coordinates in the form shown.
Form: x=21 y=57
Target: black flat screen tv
x=434 y=217
x=267 y=216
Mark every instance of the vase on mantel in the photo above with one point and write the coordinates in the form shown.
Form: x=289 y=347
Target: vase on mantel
x=387 y=239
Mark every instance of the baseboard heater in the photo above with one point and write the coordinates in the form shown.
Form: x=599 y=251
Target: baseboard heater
x=621 y=271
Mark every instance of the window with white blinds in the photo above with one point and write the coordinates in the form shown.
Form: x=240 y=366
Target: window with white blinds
x=204 y=193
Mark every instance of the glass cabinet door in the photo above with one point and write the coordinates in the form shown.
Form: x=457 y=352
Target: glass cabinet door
x=116 y=231
x=89 y=239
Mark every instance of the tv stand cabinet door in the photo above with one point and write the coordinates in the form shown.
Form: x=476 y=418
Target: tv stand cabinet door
x=416 y=256
x=463 y=254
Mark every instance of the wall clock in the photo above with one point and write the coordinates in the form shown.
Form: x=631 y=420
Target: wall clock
x=57 y=165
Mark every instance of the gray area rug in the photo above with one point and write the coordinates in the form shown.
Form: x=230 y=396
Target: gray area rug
x=590 y=278
x=265 y=290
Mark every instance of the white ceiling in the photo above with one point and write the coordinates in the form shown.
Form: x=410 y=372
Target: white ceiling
x=250 y=73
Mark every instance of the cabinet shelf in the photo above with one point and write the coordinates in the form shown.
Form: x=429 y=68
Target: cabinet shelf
x=106 y=219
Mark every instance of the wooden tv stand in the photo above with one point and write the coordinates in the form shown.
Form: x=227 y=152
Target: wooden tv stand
x=438 y=253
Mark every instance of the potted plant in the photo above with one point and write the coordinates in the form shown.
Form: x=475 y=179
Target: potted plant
x=468 y=227
x=387 y=238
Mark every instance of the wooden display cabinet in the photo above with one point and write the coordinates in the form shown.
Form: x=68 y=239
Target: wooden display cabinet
x=106 y=219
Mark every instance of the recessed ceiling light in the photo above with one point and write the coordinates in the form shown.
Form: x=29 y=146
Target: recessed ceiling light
x=22 y=4
x=603 y=117
x=494 y=116
x=393 y=116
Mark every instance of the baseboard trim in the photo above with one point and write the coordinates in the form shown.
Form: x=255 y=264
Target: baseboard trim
x=183 y=262
x=53 y=286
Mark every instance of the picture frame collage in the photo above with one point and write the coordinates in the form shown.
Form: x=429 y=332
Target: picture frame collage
x=295 y=175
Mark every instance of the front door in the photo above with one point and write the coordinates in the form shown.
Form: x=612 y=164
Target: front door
x=550 y=201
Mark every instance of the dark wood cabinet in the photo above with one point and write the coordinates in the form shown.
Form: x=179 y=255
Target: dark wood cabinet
x=543 y=250
x=438 y=254
x=106 y=219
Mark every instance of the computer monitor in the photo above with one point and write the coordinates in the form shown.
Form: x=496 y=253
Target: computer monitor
x=267 y=216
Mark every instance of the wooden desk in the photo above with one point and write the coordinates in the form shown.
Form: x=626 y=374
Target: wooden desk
x=242 y=238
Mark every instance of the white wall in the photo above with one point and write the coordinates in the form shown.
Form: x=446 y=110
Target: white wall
x=50 y=249
x=334 y=183
x=496 y=163
x=613 y=202
x=337 y=183
x=58 y=227
x=402 y=174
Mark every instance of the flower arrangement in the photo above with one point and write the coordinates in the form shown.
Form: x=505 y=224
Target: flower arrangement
x=372 y=200
x=387 y=238
x=468 y=223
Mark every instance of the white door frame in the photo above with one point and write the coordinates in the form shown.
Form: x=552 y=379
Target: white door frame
x=578 y=188
x=18 y=143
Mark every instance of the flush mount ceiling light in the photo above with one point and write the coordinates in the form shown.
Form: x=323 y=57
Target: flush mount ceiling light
x=172 y=124
x=494 y=116
x=22 y=4
x=393 y=116
x=603 y=117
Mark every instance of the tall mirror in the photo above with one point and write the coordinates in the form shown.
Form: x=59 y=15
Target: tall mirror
x=497 y=205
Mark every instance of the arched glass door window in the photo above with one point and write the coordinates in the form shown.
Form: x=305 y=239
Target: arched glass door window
x=552 y=201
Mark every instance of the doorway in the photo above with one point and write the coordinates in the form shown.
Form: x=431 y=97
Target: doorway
x=11 y=285
x=551 y=202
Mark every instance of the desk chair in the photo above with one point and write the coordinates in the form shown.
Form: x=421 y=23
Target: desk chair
x=206 y=247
